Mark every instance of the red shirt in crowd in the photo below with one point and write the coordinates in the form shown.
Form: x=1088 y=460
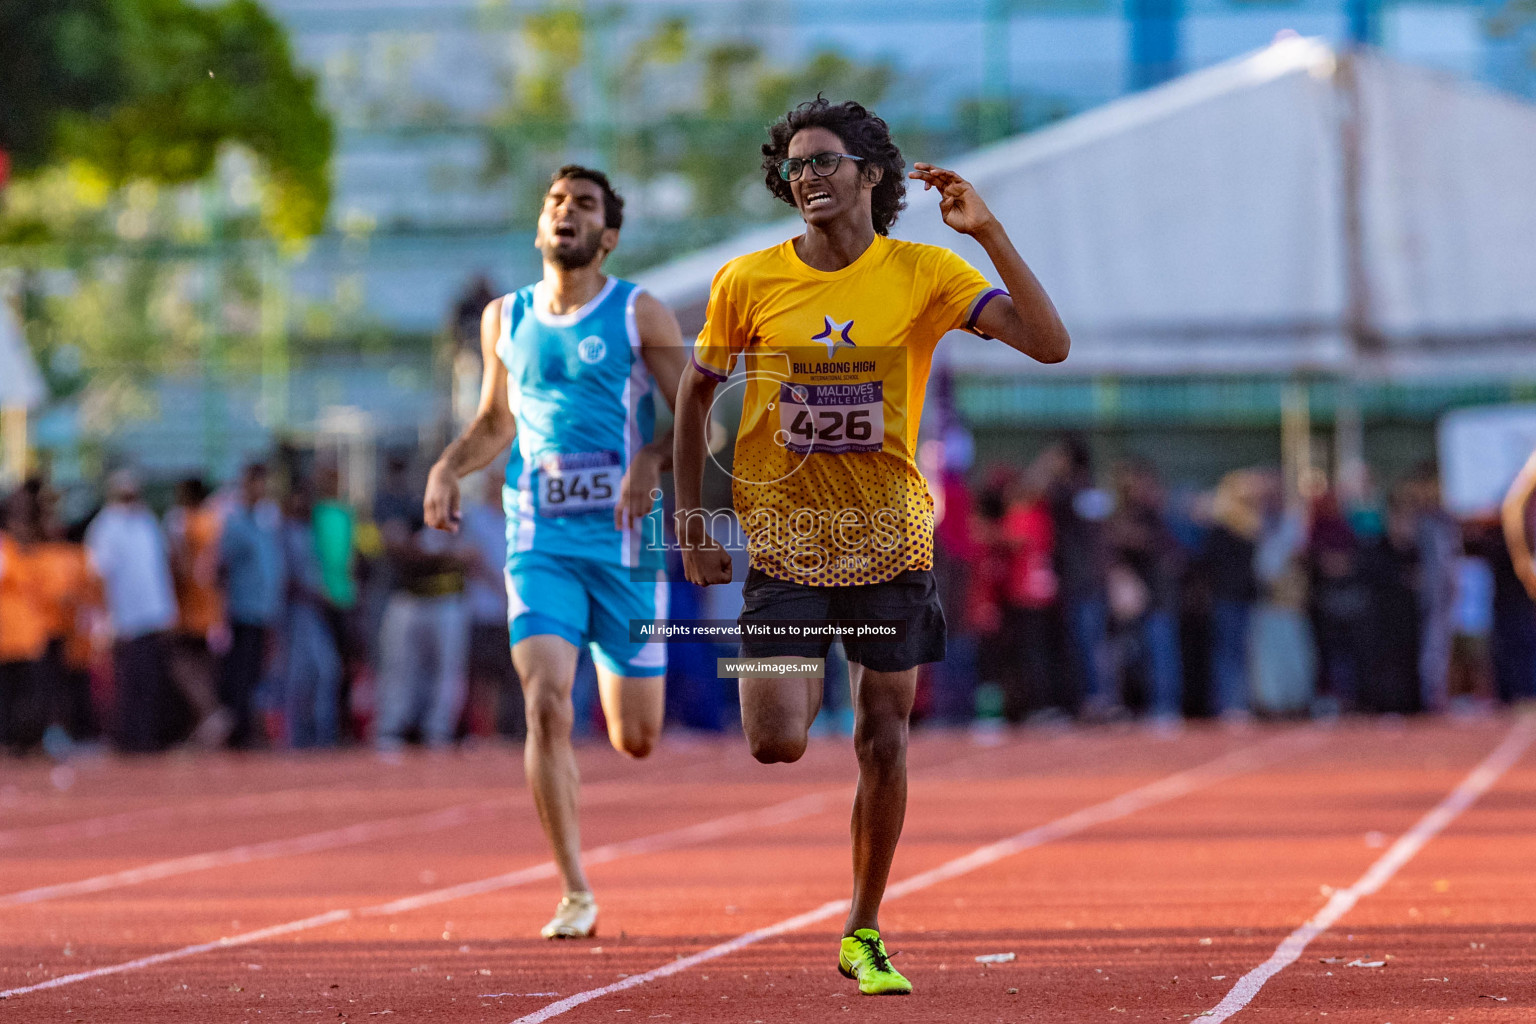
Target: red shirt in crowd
x=1030 y=540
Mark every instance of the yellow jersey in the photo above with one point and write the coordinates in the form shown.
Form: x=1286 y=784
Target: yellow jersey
x=825 y=478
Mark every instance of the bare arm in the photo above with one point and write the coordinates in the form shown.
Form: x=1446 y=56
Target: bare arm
x=1515 y=535
x=1024 y=319
x=492 y=429
x=661 y=346
x=704 y=560
x=665 y=355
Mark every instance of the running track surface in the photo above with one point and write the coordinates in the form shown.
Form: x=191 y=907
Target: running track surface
x=1147 y=879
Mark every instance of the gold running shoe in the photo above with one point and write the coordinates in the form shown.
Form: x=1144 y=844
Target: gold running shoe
x=575 y=917
x=863 y=959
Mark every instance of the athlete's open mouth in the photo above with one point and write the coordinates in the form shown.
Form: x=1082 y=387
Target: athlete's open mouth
x=817 y=199
x=565 y=231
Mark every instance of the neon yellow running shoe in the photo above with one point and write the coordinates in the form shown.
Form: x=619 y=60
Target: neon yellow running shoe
x=863 y=959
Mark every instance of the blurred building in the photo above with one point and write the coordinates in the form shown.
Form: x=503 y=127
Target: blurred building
x=1302 y=244
x=350 y=409
x=437 y=177
x=21 y=391
x=421 y=204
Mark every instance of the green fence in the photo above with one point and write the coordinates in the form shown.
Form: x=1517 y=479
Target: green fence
x=1236 y=401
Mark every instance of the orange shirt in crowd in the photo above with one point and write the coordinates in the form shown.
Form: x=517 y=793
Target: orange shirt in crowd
x=69 y=588
x=23 y=616
x=195 y=543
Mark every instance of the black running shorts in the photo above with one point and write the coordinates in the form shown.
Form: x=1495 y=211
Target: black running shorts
x=911 y=597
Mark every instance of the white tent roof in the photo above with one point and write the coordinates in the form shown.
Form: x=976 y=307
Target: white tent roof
x=1205 y=225
x=20 y=383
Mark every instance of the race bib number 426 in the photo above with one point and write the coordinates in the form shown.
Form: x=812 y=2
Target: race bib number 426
x=832 y=418
x=579 y=482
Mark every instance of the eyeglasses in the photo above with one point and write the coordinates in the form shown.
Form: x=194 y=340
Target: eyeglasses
x=822 y=163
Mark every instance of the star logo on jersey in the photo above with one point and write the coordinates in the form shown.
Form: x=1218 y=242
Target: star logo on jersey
x=835 y=336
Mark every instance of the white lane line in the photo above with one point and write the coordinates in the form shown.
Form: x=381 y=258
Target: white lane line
x=778 y=814
x=317 y=921
x=314 y=842
x=1141 y=798
x=127 y=821
x=276 y=801
x=1400 y=853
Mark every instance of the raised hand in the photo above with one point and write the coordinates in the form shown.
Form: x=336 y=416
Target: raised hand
x=960 y=205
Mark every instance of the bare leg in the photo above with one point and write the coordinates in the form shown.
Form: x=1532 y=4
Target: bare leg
x=776 y=715
x=191 y=671
x=191 y=668
x=547 y=667
x=634 y=707
x=883 y=704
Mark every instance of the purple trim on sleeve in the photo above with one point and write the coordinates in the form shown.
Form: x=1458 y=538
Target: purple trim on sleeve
x=713 y=374
x=976 y=308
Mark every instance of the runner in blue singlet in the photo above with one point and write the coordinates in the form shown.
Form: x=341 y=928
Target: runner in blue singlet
x=573 y=365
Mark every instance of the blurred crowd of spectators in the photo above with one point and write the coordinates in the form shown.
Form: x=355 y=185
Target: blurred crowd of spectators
x=273 y=612
x=269 y=613
x=1099 y=599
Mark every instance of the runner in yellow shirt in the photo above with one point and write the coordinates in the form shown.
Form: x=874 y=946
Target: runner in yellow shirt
x=837 y=328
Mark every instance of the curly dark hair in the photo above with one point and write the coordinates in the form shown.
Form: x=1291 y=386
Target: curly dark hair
x=865 y=134
x=613 y=203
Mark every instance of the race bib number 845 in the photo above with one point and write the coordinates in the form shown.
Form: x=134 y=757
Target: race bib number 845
x=579 y=482
x=832 y=418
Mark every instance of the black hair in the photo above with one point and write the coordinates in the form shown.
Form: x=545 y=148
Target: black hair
x=613 y=203
x=23 y=506
x=74 y=533
x=193 y=489
x=990 y=504
x=863 y=133
x=1079 y=455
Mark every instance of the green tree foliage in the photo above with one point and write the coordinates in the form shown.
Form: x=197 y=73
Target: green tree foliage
x=163 y=150
x=667 y=104
x=537 y=116
x=743 y=93
x=154 y=89
x=679 y=115
x=55 y=58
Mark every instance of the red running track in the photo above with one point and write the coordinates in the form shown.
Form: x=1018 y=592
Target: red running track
x=1133 y=877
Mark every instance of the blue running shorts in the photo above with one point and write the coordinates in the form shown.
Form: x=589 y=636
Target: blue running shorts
x=586 y=601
